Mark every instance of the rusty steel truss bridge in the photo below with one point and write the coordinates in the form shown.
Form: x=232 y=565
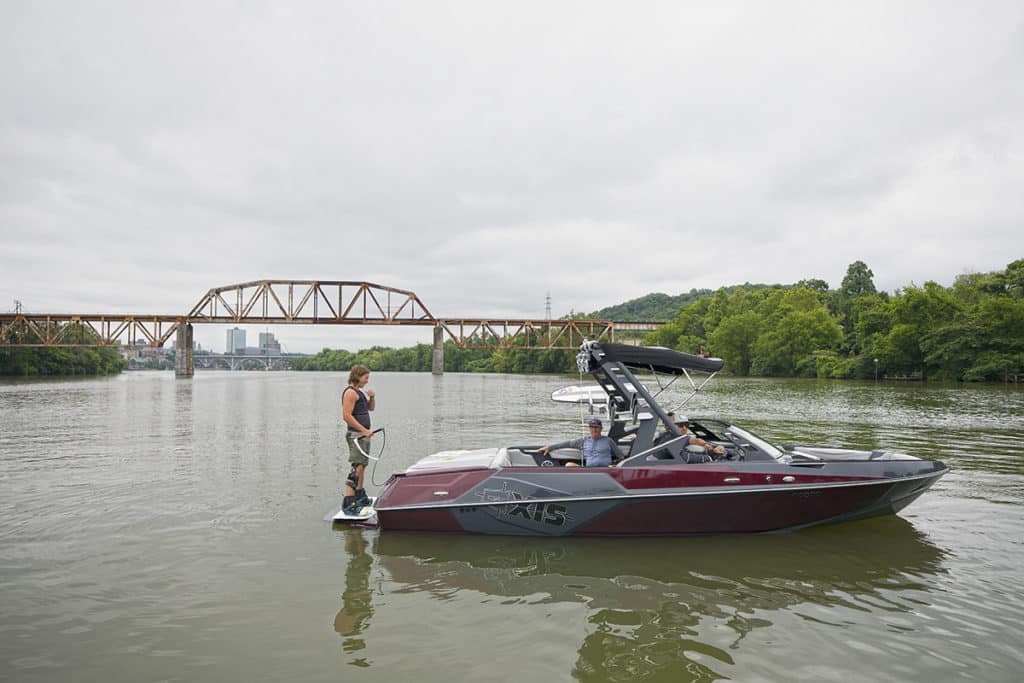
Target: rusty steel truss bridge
x=301 y=302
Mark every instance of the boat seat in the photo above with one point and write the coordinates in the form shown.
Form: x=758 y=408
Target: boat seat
x=564 y=455
x=533 y=457
x=523 y=457
x=696 y=455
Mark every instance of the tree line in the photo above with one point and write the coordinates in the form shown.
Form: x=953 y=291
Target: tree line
x=37 y=361
x=973 y=330
x=970 y=331
x=419 y=358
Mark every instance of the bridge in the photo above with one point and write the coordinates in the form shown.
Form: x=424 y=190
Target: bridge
x=236 y=361
x=302 y=302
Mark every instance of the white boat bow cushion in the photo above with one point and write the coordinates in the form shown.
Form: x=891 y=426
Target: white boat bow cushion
x=491 y=458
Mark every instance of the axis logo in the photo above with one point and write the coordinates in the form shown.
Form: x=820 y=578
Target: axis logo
x=548 y=513
x=553 y=514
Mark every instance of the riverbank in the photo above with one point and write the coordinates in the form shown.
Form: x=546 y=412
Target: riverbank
x=60 y=362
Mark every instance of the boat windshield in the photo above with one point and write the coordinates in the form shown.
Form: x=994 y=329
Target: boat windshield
x=758 y=443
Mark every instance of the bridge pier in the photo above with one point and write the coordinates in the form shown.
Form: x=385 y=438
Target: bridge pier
x=437 y=361
x=183 y=367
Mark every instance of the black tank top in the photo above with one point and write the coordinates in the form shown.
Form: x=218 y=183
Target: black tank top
x=361 y=410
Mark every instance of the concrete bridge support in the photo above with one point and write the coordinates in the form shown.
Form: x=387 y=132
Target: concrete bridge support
x=437 y=362
x=183 y=352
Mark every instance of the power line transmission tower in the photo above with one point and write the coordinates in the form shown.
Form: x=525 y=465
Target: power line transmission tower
x=547 y=306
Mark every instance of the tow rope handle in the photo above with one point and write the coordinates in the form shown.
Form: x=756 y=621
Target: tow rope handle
x=355 y=439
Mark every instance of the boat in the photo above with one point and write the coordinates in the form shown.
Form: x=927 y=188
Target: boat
x=660 y=486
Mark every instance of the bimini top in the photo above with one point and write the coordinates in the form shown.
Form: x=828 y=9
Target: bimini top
x=656 y=358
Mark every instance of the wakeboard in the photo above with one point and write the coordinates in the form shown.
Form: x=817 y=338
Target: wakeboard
x=364 y=514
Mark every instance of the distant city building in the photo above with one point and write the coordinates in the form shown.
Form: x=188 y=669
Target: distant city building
x=236 y=341
x=269 y=345
x=144 y=357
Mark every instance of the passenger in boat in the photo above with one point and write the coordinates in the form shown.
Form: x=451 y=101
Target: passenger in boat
x=597 y=450
x=356 y=404
x=688 y=439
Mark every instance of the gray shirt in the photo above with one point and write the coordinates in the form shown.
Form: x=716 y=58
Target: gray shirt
x=597 y=452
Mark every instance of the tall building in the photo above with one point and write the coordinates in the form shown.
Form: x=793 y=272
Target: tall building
x=236 y=341
x=269 y=345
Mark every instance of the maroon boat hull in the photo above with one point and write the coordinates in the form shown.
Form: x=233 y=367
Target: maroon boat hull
x=656 y=501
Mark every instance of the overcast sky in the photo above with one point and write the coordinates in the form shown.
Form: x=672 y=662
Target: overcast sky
x=483 y=154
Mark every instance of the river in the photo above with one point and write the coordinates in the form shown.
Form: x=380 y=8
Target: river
x=155 y=529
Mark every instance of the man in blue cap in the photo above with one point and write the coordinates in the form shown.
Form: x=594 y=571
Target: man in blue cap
x=598 y=450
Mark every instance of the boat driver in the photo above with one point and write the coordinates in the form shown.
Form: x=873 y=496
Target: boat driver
x=688 y=439
x=598 y=450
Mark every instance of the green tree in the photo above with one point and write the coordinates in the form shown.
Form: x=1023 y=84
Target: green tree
x=917 y=312
x=857 y=284
x=1013 y=278
x=55 y=361
x=1000 y=351
x=973 y=330
x=733 y=341
x=859 y=281
x=793 y=338
x=949 y=349
x=814 y=284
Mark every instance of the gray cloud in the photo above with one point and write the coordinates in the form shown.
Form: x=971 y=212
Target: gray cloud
x=483 y=155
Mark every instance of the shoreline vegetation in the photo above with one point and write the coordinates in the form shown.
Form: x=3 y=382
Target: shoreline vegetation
x=38 y=361
x=971 y=331
x=60 y=362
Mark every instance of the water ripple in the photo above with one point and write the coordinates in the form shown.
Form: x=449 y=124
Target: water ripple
x=154 y=529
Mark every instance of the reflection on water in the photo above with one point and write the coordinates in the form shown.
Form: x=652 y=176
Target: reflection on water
x=357 y=607
x=152 y=529
x=662 y=609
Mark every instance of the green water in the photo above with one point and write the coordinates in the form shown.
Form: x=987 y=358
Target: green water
x=163 y=530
